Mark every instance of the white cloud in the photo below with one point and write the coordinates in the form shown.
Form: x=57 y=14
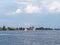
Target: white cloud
x=18 y=11
x=31 y=6
x=32 y=9
x=54 y=6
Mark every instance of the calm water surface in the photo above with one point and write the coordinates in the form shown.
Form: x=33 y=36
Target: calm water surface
x=30 y=37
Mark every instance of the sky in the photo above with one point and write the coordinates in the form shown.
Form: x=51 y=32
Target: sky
x=26 y=13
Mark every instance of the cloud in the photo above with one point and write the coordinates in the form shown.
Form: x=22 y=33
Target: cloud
x=32 y=9
x=31 y=6
x=54 y=7
x=18 y=11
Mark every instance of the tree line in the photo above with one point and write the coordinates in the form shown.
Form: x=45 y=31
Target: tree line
x=30 y=28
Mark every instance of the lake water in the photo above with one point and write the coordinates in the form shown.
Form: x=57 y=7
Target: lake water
x=42 y=37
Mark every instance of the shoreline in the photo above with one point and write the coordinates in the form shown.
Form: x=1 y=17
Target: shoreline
x=29 y=28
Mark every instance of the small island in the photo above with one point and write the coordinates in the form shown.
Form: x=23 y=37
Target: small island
x=30 y=28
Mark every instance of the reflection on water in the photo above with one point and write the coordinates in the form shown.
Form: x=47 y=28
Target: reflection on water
x=30 y=37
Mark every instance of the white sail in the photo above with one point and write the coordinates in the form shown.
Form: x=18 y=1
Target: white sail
x=25 y=29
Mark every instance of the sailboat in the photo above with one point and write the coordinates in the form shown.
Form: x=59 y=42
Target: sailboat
x=25 y=29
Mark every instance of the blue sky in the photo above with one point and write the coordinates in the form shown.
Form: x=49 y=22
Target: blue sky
x=25 y=13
